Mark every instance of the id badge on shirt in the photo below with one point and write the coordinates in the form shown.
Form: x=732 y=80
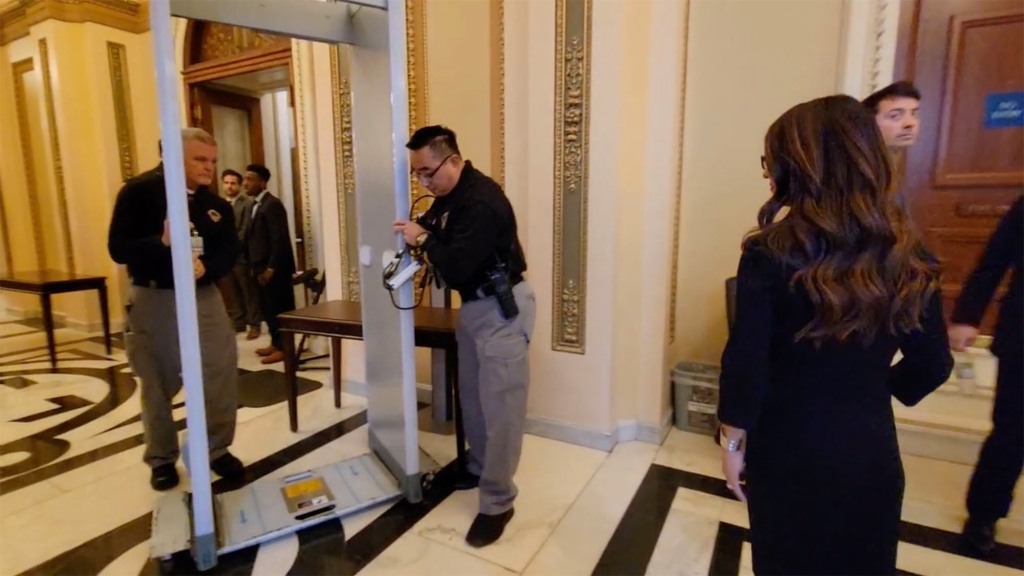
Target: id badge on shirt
x=197 y=245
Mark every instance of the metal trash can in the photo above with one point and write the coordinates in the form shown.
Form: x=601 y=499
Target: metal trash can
x=695 y=389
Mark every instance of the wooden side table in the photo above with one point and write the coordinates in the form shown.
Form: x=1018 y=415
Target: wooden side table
x=46 y=283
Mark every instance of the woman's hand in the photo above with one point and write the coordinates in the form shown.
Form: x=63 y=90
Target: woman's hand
x=732 y=466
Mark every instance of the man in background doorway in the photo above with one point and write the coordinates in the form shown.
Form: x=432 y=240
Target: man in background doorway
x=271 y=257
x=896 y=107
x=239 y=284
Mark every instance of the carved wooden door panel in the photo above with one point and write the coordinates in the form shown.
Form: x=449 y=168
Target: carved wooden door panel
x=967 y=59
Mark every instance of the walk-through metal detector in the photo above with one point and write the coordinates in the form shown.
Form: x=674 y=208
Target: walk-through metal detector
x=209 y=525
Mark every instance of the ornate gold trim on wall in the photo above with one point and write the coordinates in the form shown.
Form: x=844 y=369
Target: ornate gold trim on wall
x=21 y=15
x=572 y=134
x=416 y=73
x=300 y=54
x=498 y=90
x=345 y=166
x=58 y=165
x=5 y=237
x=678 y=202
x=20 y=68
x=117 y=60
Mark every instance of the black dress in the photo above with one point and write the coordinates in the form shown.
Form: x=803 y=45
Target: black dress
x=824 y=479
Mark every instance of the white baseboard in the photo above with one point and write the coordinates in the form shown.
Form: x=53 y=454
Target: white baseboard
x=626 y=431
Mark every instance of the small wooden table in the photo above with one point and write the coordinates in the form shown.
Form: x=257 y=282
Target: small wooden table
x=46 y=283
x=338 y=320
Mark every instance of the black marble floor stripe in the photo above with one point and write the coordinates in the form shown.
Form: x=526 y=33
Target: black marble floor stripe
x=105 y=548
x=630 y=549
x=725 y=559
x=632 y=544
x=943 y=541
x=74 y=462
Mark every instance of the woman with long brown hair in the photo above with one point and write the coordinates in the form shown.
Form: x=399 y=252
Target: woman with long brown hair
x=826 y=295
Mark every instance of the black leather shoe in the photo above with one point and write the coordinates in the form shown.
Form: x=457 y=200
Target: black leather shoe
x=227 y=466
x=487 y=528
x=978 y=538
x=466 y=481
x=163 y=477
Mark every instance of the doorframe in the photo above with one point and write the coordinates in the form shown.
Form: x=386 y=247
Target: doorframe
x=253 y=61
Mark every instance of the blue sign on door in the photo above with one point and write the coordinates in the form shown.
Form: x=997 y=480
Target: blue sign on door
x=1004 y=110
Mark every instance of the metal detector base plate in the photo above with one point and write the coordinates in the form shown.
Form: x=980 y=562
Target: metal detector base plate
x=274 y=507
x=172 y=525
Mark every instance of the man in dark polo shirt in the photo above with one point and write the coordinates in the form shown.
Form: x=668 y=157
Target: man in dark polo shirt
x=139 y=238
x=469 y=235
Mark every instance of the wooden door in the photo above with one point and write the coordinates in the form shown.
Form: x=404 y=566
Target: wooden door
x=235 y=121
x=967 y=167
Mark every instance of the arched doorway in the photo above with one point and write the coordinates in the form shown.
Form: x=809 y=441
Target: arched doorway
x=238 y=86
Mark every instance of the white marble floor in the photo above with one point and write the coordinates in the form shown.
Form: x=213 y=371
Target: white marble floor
x=88 y=518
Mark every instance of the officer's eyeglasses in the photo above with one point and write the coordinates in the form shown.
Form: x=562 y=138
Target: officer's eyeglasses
x=427 y=177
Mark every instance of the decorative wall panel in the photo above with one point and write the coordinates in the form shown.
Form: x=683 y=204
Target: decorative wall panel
x=572 y=119
x=58 y=165
x=117 y=59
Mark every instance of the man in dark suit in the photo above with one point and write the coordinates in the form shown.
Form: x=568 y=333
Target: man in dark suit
x=1002 y=456
x=239 y=284
x=270 y=255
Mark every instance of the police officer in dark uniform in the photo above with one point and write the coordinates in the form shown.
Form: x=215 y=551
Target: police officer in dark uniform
x=1002 y=457
x=469 y=236
x=139 y=238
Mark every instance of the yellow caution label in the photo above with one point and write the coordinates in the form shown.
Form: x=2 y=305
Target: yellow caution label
x=309 y=486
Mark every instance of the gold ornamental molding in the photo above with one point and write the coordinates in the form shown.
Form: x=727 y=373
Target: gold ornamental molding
x=301 y=55
x=20 y=68
x=498 y=90
x=345 y=168
x=58 y=164
x=572 y=134
x=416 y=73
x=21 y=15
x=678 y=202
x=117 y=60
x=5 y=236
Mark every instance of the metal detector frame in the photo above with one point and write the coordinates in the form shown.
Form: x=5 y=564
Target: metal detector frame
x=376 y=30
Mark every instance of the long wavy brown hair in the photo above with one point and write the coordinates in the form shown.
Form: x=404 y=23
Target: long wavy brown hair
x=856 y=255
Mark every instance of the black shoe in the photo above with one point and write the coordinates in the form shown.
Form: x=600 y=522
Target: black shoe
x=164 y=477
x=978 y=538
x=487 y=528
x=227 y=466
x=466 y=481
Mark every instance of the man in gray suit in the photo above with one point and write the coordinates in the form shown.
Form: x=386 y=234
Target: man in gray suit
x=240 y=284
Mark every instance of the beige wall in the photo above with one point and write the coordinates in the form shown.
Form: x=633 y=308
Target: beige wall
x=734 y=89
x=84 y=114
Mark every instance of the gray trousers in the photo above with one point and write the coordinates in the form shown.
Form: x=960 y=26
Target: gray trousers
x=494 y=374
x=151 y=339
x=244 y=296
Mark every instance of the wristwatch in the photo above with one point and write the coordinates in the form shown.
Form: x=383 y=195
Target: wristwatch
x=728 y=444
x=422 y=238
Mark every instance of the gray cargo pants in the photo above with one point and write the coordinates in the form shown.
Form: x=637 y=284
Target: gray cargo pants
x=151 y=339
x=494 y=374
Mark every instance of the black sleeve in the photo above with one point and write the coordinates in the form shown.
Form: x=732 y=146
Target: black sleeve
x=927 y=360
x=277 y=225
x=127 y=242
x=995 y=261
x=429 y=220
x=746 y=365
x=222 y=258
x=471 y=244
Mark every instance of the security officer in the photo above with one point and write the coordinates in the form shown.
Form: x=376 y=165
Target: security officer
x=469 y=237
x=139 y=237
x=1002 y=457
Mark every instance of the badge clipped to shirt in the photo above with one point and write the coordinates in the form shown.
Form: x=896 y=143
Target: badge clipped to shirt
x=197 y=244
x=214 y=215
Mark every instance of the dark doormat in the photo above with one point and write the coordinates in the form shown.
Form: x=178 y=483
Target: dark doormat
x=266 y=387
